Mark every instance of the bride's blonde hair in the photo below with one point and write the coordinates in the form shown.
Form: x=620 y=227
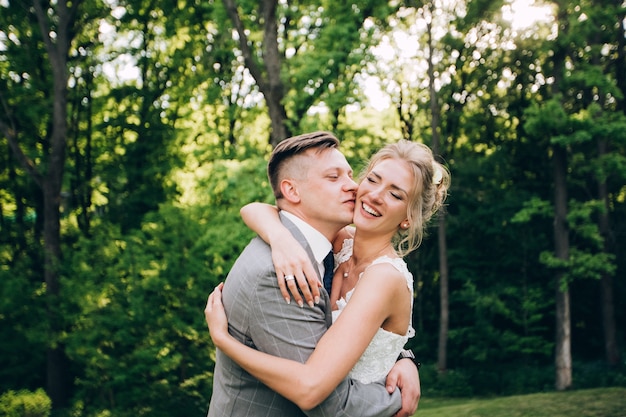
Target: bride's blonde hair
x=428 y=191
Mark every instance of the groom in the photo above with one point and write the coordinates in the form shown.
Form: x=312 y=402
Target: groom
x=314 y=208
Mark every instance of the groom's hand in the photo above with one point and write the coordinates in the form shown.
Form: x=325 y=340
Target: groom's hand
x=405 y=376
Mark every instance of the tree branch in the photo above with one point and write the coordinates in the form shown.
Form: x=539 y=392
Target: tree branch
x=251 y=63
x=11 y=134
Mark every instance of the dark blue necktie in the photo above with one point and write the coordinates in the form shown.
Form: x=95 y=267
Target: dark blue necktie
x=329 y=266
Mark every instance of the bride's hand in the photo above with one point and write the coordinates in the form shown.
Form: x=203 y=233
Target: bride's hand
x=294 y=270
x=215 y=316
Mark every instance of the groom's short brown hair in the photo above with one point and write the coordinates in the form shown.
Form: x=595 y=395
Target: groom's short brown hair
x=292 y=146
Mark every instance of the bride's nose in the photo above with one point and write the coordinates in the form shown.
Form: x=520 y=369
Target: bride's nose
x=376 y=194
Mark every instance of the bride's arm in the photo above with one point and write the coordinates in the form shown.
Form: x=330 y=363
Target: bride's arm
x=288 y=256
x=335 y=355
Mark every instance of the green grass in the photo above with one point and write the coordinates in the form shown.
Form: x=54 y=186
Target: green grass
x=601 y=402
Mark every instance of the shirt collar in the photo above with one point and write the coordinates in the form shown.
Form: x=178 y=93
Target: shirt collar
x=320 y=246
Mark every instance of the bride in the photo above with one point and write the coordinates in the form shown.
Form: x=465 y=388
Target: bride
x=372 y=290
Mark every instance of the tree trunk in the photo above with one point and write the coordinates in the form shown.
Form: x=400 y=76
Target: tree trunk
x=269 y=80
x=275 y=92
x=58 y=378
x=444 y=316
x=444 y=319
x=608 y=320
x=563 y=354
x=563 y=340
x=606 y=282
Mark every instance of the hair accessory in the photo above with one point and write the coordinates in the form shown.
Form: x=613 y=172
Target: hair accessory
x=437 y=173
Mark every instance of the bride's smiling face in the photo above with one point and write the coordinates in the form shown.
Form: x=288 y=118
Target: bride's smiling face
x=383 y=196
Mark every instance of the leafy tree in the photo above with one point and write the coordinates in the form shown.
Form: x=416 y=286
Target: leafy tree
x=582 y=85
x=166 y=47
x=139 y=335
x=302 y=53
x=40 y=146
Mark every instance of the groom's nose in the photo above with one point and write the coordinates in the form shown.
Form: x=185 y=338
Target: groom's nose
x=350 y=185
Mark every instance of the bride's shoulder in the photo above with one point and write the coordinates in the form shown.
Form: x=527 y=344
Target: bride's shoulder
x=394 y=268
x=397 y=263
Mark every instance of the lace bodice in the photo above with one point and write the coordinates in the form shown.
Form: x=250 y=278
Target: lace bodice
x=383 y=350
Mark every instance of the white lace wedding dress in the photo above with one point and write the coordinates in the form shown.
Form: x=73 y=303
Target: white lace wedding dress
x=383 y=350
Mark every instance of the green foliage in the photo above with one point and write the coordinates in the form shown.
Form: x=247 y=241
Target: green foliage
x=500 y=305
x=512 y=378
x=139 y=316
x=599 y=374
x=533 y=207
x=139 y=335
x=22 y=330
x=25 y=404
x=582 y=264
x=453 y=384
x=546 y=120
x=501 y=327
x=330 y=55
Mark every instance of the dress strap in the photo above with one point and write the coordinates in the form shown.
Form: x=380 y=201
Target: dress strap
x=400 y=265
x=345 y=253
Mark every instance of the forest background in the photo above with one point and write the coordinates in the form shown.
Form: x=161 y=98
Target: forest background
x=132 y=131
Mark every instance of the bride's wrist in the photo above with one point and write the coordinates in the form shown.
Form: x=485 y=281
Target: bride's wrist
x=277 y=235
x=220 y=339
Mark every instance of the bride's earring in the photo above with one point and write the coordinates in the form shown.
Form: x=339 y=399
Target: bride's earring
x=405 y=225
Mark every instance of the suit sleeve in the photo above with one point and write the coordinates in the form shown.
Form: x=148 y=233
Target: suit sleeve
x=355 y=399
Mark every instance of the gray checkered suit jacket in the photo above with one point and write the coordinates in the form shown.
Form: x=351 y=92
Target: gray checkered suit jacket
x=259 y=317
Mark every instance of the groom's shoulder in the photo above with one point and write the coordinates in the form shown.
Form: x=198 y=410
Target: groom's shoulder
x=256 y=248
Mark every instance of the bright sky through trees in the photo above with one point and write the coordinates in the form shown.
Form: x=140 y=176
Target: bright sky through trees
x=522 y=15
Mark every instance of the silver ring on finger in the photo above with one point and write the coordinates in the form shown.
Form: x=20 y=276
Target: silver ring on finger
x=289 y=278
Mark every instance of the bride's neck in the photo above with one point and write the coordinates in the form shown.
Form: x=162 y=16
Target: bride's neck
x=370 y=248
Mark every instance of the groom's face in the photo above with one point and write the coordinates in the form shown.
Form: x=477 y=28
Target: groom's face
x=327 y=190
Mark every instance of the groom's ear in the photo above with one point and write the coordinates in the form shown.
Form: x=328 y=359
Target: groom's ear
x=289 y=189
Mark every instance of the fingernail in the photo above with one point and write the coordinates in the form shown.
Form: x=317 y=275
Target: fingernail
x=317 y=300
x=311 y=304
x=288 y=300
x=301 y=304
